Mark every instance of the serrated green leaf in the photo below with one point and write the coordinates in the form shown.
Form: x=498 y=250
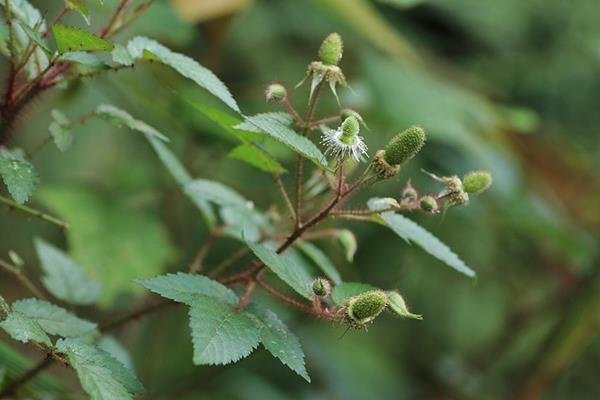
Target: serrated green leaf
x=24 y=329
x=80 y=7
x=64 y=278
x=121 y=56
x=54 y=320
x=116 y=349
x=320 y=259
x=185 y=288
x=412 y=232
x=281 y=117
x=18 y=174
x=285 y=267
x=281 y=343
x=273 y=127
x=344 y=291
x=113 y=244
x=100 y=374
x=69 y=38
x=243 y=224
x=118 y=117
x=257 y=158
x=181 y=176
x=221 y=335
x=185 y=65
x=35 y=38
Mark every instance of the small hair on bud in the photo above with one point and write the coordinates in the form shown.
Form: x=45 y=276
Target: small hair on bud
x=429 y=204
x=275 y=93
x=330 y=52
x=405 y=145
x=477 y=182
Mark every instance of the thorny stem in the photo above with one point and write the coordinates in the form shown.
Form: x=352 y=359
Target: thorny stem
x=226 y=263
x=56 y=20
x=247 y=296
x=28 y=375
x=22 y=278
x=197 y=264
x=292 y=110
x=82 y=120
x=31 y=211
x=119 y=11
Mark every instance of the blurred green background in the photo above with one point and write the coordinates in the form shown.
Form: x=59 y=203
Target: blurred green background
x=510 y=86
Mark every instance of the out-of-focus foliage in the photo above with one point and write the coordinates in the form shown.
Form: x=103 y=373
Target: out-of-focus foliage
x=510 y=86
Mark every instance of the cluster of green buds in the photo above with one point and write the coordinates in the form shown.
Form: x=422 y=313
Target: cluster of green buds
x=327 y=69
x=276 y=93
x=456 y=191
x=345 y=140
x=400 y=149
x=321 y=287
x=364 y=308
x=4 y=309
x=411 y=200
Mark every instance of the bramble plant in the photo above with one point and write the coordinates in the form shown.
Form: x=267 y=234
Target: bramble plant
x=227 y=321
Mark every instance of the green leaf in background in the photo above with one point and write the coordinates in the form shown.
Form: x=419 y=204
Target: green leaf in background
x=24 y=329
x=256 y=157
x=18 y=174
x=36 y=38
x=285 y=267
x=185 y=288
x=276 y=129
x=83 y=58
x=344 y=291
x=220 y=334
x=412 y=232
x=185 y=65
x=114 y=244
x=64 y=278
x=118 y=117
x=402 y=3
x=217 y=193
x=320 y=259
x=60 y=130
x=281 y=343
x=347 y=240
x=80 y=7
x=54 y=320
x=281 y=117
x=100 y=374
x=69 y=38
x=181 y=176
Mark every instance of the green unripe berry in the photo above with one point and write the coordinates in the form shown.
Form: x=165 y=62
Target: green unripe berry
x=382 y=168
x=429 y=204
x=405 y=145
x=321 y=287
x=477 y=182
x=330 y=52
x=350 y=128
x=275 y=93
x=366 y=307
x=4 y=309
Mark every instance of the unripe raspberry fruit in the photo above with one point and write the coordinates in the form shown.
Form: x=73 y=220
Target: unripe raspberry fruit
x=321 y=287
x=330 y=52
x=477 y=182
x=365 y=307
x=350 y=128
x=405 y=145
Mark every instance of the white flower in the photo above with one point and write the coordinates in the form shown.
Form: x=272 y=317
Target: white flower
x=344 y=140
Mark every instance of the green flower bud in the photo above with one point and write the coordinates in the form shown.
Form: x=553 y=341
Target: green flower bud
x=381 y=166
x=331 y=49
x=477 y=182
x=365 y=307
x=275 y=93
x=350 y=128
x=429 y=204
x=405 y=145
x=321 y=287
x=398 y=306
